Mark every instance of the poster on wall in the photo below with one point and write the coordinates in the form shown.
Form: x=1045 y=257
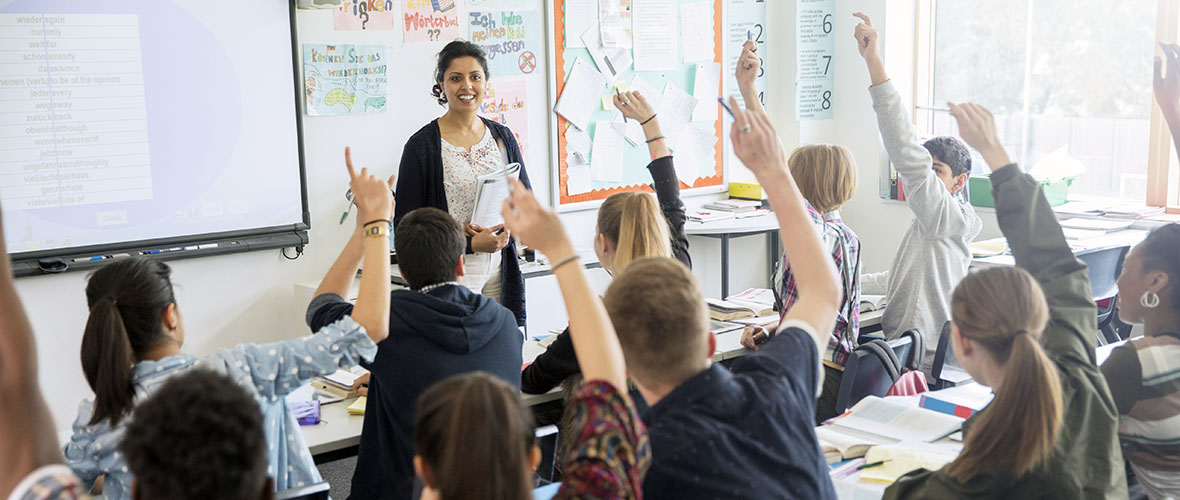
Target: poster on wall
x=500 y=4
x=430 y=20
x=504 y=101
x=511 y=39
x=366 y=15
x=746 y=21
x=344 y=79
x=814 y=50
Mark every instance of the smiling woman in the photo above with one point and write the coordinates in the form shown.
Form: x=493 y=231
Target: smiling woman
x=441 y=162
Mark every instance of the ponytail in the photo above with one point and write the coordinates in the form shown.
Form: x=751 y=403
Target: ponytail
x=636 y=225
x=1021 y=424
x=127 y=301
x=107 y=361
x=1003 y=311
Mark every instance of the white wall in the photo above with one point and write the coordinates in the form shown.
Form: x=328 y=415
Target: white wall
x=249 y=297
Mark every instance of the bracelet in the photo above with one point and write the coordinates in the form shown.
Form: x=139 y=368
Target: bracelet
x=653 y=117
x=654 y=139
x=562 y=262
x=376 y=231
x=374 y=221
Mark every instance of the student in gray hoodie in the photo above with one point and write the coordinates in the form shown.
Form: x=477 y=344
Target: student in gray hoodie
x=437 y=328
x=935 y=251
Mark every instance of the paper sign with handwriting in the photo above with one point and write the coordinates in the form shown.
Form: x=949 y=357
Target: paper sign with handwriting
x=366 y=15
x=499 y=4
x=430 y=20
x=815 y=47
x=344 y=79
x=510 y=38
x=504 y=102
x=746 y=20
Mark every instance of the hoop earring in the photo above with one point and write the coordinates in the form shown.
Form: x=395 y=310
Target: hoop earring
x=1149 y=299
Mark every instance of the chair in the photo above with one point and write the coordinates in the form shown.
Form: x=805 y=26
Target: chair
x=870 y=370
x=548 y=440
x=946 y=375
x=318 y=491
x=1105 y=265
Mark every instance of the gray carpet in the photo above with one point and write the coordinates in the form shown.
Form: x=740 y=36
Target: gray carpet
x=338 y=474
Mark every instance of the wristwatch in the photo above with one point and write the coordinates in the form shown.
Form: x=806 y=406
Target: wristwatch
x=376 y=230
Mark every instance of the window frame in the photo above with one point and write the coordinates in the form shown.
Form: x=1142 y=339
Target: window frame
x=1160 y=175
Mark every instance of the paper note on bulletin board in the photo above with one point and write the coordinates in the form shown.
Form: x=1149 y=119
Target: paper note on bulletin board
x=815 y=48
x=577 y=182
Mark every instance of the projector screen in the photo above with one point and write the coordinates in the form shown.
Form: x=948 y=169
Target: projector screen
x=128 y=122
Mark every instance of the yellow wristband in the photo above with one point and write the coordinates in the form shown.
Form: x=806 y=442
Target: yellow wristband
x=377 y=230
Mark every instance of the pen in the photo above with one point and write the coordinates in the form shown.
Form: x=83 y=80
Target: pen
x=727 y=110
x=874 y=464
x=620 y=96
x=749 y=35
x=90 y=259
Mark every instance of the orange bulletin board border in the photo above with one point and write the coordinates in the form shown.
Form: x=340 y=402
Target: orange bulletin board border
x=563 y=201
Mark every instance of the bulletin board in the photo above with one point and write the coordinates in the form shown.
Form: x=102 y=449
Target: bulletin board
x=635 y=156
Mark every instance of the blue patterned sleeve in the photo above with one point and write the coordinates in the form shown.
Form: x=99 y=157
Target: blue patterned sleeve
x=276 y=369
x=79 y=458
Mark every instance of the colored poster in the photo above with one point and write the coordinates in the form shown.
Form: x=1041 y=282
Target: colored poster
x=499 y=4
x=366 y=15
x=512 y=40
x=344 y=79
x=430 y=20
x=504 y=102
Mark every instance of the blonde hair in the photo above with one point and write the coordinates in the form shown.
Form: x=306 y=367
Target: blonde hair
x=1003 y=310
x=825 y=174
x=634 y=223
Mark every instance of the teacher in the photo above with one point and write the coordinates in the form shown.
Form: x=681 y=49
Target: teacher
x=440 y=164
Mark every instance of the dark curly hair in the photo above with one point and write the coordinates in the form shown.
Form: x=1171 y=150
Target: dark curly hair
x=951 y=152
x=1160 y=251
x=455 y=50
x=199 y=436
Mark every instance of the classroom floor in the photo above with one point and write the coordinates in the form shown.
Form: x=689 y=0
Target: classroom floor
x=338 y=474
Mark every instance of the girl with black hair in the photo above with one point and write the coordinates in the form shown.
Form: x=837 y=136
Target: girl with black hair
x=440 y=164
x=131 y=347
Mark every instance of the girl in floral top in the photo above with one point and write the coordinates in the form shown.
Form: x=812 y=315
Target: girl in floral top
x=473 y=434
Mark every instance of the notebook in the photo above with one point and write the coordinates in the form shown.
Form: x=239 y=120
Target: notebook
x=358 y=407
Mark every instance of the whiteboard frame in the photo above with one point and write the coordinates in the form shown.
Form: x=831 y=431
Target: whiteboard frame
x=554 y=123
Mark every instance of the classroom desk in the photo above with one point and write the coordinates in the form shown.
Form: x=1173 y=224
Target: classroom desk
x=729 y=344
x=1115 y=239
x=737 y=228
x=338 y=431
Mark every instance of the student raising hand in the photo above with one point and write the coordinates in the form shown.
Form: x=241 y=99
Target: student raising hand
x=977 y=127
x=749 y=65
x=868 y=44
x=634 y=106
x=373 y=196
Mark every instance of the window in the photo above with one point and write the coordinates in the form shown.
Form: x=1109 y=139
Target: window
x=1061 y=76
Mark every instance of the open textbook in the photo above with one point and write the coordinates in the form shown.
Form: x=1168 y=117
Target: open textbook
x=490 y=192
x=898 y=421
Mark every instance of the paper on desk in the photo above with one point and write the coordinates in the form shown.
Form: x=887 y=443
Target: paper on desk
x=579 y=180
x=655 y=44
x=612 y=61
x=578 y=140
x=653 y=97
x=614 y=18
x=696 y=31
x=580 y=95
x=694 y=150
x=903 y=457
x=579 y=16
x=704 y=88
x=606 y=160
x=490 y=192
x=676 y=108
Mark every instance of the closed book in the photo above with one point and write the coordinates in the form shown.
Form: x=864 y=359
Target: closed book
x=962 y=401
x=358 y=407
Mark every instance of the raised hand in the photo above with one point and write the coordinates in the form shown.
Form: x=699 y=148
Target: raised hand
x=748 y=66
x=755 y=142
x=373 y=196
x=977 y=127
x=867 y=38
x=1166 y=84
x=634 y=106
x=534 y=225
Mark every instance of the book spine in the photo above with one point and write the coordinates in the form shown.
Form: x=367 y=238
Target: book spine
x=892 y=183
x=941 y=406
x=900 y=190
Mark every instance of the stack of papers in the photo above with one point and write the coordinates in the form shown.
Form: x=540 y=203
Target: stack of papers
x=734 y=205
x=1132 y=211
x=358 y=407
x=708 y=215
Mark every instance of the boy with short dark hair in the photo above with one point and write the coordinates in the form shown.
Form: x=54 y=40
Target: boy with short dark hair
x=437 y=328
x=745 y=432
x=936 y=249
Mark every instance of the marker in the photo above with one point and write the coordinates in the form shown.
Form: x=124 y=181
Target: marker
x=163 y=250
x=620 y=96
x=90 y=259
x=206 y=246
x=119 y=255
x=726 y=106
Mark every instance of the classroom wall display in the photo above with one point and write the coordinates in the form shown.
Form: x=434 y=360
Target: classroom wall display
x=344 y=79
x=430 y=20
x=511 y=39
x=815 y=46
x=505 y=102
x=366 y=15
x=595 y=152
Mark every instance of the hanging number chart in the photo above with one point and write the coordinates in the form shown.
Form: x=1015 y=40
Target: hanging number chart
x=815 y=50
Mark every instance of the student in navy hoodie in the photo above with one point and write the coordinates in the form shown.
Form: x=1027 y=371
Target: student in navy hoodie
x=437 y=328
